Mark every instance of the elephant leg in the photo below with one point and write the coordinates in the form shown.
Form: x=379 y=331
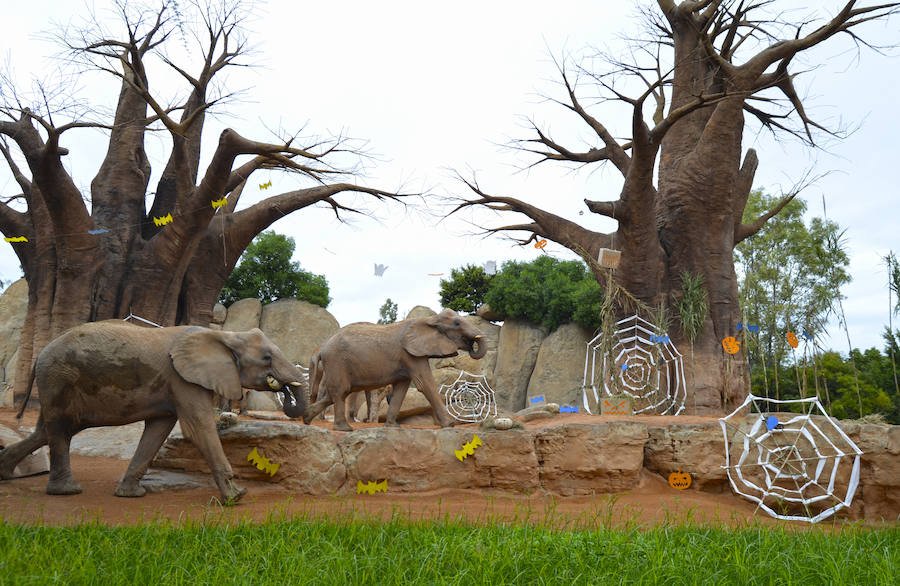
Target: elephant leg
x=338 y=397
x=398 y=393
x=316 y=408
x=371 y=408
x=424 y=381
x=61 y=480
x=353 y=405
x=10 y=456
x=155 y=433
x=198 y=422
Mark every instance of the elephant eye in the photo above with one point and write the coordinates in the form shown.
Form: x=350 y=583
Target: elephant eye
x=456 y=322
x=267 y=357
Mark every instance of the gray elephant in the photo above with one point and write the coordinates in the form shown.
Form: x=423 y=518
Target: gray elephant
x=113 y=373
x=365 y=356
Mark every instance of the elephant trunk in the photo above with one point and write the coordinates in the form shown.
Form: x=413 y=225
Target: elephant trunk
x=482 y=347
x=295 y=401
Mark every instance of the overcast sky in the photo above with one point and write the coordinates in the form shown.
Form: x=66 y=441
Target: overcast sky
x=434 y=87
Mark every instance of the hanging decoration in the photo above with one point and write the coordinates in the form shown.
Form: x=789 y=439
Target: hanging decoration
x=651 y=374
x=731 y=344
x=217 y=203
x=469 y=398
x=16 y=239
x=379 y=270
x=792 y=339
x=790 y=458
x=98 y=231
x=265 y=185
x=163 y=220
x=609 y=258
x=540 y=243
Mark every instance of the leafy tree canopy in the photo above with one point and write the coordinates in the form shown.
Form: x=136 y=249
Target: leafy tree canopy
x=267 y=273
x=790 y=272
x=387 y=312
x=547 y=291
x=464 y=291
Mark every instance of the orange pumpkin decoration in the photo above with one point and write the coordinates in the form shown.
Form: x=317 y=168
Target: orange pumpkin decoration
x=731 y=345
x=540 y=243
x=792 y=339
x=680 y=480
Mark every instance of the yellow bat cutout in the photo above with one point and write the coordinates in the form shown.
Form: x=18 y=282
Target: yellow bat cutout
x=262 y=463
x=468 y=448
x=163 y=220
x=16 y=239
x=217 y=203
x=266 y=185
x=371 y=487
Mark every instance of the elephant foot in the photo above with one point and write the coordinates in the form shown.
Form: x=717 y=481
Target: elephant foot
x=63 y=486
x=342 y=426
x=236 y=494
x=130 y=489
x=391 y=424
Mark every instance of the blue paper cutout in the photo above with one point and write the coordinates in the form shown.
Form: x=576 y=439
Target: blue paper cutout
x=807 y=335
x=98 y=231
x=739 y=326
x=660 y=339
x=567 y=409
x=771 y=422
x=537 y=399
x=754 y=329
x=624 y=367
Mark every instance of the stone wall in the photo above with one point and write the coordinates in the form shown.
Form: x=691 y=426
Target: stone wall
x=565 y=459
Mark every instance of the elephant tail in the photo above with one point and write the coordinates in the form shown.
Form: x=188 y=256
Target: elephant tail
x=28 y=392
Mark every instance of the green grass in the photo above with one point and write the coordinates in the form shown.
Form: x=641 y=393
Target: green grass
x=400 y=551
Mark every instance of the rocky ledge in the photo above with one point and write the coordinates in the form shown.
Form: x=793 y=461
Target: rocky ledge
x=565 y=459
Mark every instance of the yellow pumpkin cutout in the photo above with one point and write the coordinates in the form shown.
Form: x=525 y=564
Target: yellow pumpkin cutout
x=680 y=480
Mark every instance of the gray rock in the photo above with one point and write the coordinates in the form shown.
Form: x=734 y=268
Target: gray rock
x=518 y=347
x=219 y=314
x=9 y=382
x=243 y=315
x=297 y=327
x=485 y=312
x=259 y=401
x=559 y=369
x=13 y=307
x=420 y=311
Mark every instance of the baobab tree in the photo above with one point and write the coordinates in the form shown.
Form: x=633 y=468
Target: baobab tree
x=120 y=248
x=688 y=84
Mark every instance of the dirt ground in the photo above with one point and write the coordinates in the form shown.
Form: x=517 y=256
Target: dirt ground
x=23 y=500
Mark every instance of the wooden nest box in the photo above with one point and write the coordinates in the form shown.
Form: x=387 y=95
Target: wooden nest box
x=609 y=258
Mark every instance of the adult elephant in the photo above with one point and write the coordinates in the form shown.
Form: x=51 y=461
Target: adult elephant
x=364 y=356
x=113 y=373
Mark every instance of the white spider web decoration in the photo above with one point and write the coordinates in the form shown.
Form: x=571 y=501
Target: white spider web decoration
x=648 y=368
x=470 y=398
x=795 y=466
x=304 y=371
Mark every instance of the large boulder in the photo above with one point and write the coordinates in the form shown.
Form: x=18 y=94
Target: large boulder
x=879 y=470
x=308 y=457
x=219 y=314
x=13 y=307
x=243 y=315
x=517 y=351
x=7 y=386
x=297 y=327
x=559 y=369
x=420 y=311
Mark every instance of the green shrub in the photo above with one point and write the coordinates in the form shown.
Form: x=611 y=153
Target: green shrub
x=466 y=288
x=548 y=292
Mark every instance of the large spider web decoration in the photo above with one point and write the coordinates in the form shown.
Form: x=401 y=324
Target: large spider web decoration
x=470 y=398
x=304 y=371
x=647 y=366
x=792 y=464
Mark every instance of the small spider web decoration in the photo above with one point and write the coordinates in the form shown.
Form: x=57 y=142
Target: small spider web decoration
x=790 y=458
x=470 y=398
x=304 y=371
x=642 y=363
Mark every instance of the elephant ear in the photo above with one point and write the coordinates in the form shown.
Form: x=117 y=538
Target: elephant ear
x=423 y=338
x=202 y=357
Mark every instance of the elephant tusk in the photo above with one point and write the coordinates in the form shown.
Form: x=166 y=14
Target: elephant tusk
x=295 y=384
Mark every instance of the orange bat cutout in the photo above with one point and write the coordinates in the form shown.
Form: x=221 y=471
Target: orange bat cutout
x=540 y=243
x=217 y=203
x=266 y=185
x=792 y=339
x=468 y=448
x=371 y=487
x=16 y=239
x=262 y=463
x=731 y=345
